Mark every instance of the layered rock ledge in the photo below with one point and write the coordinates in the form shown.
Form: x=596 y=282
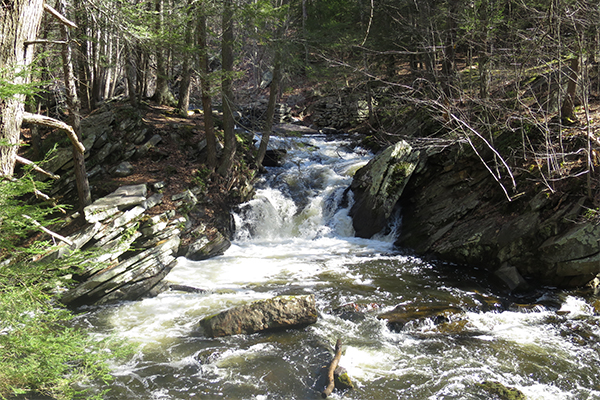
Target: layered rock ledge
x=132 y=249
x=453 y=209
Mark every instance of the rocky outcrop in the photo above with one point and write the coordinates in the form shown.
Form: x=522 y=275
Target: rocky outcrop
x=340 y=111
x=131 y=251
x=276 y=313
x=378 y=186
x=453 y=209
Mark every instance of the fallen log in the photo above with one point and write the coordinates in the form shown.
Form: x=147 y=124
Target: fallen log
x=331 y=369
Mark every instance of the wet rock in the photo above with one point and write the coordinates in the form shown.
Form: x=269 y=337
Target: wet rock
x=205 y=248
x=355 y=311
x=276 y=313
x=378 y=186
x=454 y=210
x=128 y=280
x=438 y=314
x=503 y=392
x=185 y=288
x=511 y=277
x=274 y=158
x=132 y=252
x=342 y=379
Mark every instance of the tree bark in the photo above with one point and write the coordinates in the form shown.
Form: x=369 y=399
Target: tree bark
x=162 y=95
x=83 y=185
x=209 y=127
x=483 y=57
x=227 y=89
x=273 y=94
x=568 y=106
x=183 y=102
x=130 y=73
x=19 y=23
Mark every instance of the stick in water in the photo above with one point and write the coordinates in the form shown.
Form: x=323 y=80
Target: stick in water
x=331 y=370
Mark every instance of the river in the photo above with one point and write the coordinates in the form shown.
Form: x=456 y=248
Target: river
x=295 y=237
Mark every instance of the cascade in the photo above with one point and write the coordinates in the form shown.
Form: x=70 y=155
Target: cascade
x=295 y=237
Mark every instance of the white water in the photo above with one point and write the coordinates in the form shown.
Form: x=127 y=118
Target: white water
x=294 y=238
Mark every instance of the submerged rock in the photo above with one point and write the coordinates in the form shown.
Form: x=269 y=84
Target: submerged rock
x=503 y=392
x=342 y=379
x=274 y=158
x=438 y=314
x=276 y=313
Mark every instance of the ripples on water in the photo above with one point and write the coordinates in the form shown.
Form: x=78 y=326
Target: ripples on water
x=294 y=238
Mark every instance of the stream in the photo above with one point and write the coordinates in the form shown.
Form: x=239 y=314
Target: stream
x=295 y=237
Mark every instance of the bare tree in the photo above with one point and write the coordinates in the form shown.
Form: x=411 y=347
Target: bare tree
x=209 y=129
x=227 y=89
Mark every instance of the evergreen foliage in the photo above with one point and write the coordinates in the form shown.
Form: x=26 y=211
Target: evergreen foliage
x=40 y=350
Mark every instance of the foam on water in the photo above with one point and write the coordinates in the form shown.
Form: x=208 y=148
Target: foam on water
x=296 y=237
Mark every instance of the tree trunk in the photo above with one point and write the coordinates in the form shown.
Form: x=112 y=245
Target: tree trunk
x=130 y=72
x=227 y=89
x=211 y=140
x=483 y=57
x=448 y=65
x=84 y=61
x=19 y=23
x=567 y=114
x=83 y=186
x=183 y=102
x=273 y=94
x=162 y=95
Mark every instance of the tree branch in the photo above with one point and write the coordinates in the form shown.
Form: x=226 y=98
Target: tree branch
x=59 y=16
x=25 y=161
x=46 y=41
x=331 y=370
x=48 y=231
x=38 y=119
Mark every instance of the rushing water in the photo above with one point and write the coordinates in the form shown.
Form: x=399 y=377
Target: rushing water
x=296 y=237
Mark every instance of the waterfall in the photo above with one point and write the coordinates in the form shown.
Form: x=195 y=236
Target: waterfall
x=295 y=237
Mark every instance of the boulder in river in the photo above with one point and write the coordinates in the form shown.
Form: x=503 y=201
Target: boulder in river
x=276 y=313
x=439 y=314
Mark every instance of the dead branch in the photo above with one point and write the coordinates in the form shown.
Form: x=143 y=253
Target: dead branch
x=42 y=195
x=48 y=231
x=24 y=161
x=469 y=128
x=46 y=41
x=38 y=119
x=330 y=378
x=59 y=16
